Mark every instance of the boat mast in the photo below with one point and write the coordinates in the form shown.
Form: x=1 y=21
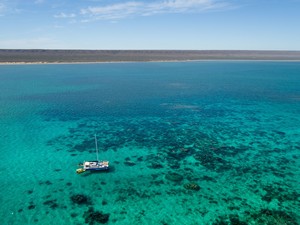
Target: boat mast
x=96 y=147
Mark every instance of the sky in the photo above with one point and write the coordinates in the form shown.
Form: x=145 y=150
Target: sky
x=151 y=24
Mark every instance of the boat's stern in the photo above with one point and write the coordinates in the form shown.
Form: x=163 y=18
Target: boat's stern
x=80 y=170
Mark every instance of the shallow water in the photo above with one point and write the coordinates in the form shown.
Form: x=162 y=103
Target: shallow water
x=188 y=143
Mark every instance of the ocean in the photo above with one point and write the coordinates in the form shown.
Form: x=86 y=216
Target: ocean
x=208 y=142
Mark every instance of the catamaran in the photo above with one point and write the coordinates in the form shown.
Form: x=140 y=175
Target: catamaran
x=98 y=165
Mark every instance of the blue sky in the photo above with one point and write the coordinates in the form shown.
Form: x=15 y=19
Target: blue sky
x=152 y=24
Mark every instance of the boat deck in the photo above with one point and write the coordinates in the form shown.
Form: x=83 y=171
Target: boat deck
x=95 y=165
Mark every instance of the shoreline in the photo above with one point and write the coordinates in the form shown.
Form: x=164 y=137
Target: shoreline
x=42 y=56
x=154 y=61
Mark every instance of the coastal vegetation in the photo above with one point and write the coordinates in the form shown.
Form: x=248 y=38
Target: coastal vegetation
x=73 y=56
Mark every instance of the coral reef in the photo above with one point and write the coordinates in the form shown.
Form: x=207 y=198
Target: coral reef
x=51 y=203
x=212 y=161
x=93 y=217
x=274 y=217
x=192 y=186
x=31 y=206
x=175 y=177
x=264 y=216
x=80 y=199
x=230 y=220
x=279 y=192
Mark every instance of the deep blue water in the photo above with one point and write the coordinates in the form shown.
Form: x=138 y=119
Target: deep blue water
x=188 y=142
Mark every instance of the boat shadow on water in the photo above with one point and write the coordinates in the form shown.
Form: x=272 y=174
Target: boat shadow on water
x=95 y=172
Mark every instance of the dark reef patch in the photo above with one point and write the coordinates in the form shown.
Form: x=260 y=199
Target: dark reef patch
x=80 y=199
x=155 y=165
x=208 y=178
x=175 y=177
x=264 y=217
x=192 y=186
x=104 y=202
x=230 y=151
x=73 y=215
x=31 y=206
x=212 y=161
x=92 y=217
x=235 y=220
x=230 y=220
x=47 y=182
x=274 y=217
x=51 y=203
x=132 y=193
x=281 y=193
x=170 y=138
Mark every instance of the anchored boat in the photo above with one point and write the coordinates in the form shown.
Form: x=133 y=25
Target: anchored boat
x=97 y=165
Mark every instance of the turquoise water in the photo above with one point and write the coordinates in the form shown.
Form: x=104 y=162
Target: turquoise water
x=210 y=143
